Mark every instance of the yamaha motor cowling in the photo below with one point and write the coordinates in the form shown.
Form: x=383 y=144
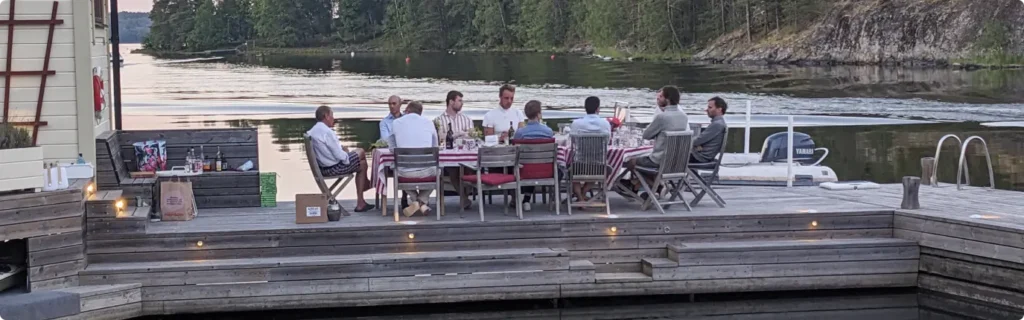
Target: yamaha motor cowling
x=774 y=148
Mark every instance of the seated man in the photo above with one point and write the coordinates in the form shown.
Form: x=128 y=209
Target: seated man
x=592 y=122
x=336 y=160
x=589 y=124
x=670 y=119
x=394 y=112
x=414 y=131
x=707 y=145
x=533 y=129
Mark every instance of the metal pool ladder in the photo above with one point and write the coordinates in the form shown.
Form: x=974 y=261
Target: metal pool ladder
x=963 y=163
x=962 y=168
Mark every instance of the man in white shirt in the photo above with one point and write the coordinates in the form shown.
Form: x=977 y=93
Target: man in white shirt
x=499 y=120
x=336 y=160
x=412 y=130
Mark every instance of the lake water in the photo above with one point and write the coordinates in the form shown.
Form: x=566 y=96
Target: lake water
x=877 y=122
x=893 y=304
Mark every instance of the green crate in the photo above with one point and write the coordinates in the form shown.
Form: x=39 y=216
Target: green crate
x=268 y=182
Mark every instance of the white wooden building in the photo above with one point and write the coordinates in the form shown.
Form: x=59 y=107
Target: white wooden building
x=80 y=47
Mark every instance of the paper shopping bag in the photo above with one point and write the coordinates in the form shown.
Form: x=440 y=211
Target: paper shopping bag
x=177 y=203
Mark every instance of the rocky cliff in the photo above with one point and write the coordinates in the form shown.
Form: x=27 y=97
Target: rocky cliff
x=885 y=32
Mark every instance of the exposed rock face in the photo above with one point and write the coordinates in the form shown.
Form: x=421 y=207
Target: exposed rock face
x=881 y=32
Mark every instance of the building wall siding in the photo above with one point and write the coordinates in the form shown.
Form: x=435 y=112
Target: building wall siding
x=59 y=138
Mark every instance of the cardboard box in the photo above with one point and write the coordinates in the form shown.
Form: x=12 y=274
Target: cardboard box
x=310 y=208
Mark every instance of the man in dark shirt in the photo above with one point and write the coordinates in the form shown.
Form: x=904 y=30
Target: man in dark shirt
x=707 y=145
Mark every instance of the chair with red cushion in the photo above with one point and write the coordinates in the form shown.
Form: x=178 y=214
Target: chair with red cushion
x=539 y=165
x=416 y=159
x=495 y=158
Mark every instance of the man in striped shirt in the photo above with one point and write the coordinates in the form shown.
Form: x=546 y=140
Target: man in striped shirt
x=461 y=125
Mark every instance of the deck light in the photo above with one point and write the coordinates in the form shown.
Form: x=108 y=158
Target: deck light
x=412 y=235
x=814 y=223
x=614 y=229
x=90 y=188
x=119 y=204
x=199 y=243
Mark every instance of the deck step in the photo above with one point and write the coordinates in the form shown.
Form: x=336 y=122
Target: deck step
x=131 y=220
x=787 y=258
x=617 y=277
x=116 y=301
x=651 y=265
x=102 y=204
x=189 y=272
x=791 y=251
x=787 y=244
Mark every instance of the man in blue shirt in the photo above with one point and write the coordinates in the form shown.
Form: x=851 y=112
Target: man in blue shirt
x=589 y=124
x=592 y=122
x=534 y=129
x=394 y=111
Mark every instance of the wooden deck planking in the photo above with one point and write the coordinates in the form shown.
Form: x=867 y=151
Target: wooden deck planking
x=297 y=266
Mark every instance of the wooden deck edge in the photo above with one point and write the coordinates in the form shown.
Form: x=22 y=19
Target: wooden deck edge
x=328 y=260
x=747 y=246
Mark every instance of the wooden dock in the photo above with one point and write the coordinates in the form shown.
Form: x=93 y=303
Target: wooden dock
x=966 y=243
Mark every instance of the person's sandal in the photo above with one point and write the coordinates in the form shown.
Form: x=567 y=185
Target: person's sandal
x=365 y=208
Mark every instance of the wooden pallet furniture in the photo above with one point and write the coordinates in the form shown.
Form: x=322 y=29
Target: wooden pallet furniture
x=226 y=189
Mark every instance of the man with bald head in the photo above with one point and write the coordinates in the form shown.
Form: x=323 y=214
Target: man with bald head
x=394 y=111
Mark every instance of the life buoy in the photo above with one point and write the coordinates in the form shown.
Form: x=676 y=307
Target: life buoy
x=97 y=93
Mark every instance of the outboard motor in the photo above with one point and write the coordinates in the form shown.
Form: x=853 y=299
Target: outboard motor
x=774 y=148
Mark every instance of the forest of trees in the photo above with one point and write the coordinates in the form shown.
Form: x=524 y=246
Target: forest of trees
x=651 y=26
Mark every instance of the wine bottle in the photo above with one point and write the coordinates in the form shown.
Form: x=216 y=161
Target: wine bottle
x=220 y=160
x=511 y=133
x=449 y=139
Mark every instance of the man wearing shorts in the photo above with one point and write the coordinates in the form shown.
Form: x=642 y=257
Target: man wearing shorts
x=336 y=160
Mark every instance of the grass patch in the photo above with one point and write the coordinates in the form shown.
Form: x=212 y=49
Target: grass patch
x=993 y=58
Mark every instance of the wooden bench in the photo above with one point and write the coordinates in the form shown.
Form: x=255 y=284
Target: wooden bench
x=810 y=264
x=116 y=159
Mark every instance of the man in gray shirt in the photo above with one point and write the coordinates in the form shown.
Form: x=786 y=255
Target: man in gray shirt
x=707 y=145
x=670 y=119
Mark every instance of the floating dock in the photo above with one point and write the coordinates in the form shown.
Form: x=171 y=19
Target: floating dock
x=967 y=243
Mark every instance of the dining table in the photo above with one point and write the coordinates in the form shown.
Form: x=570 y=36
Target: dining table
x=617 y=157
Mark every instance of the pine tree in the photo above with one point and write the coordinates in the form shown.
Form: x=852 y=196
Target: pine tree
x=208 y=31
x=237 y=20
x=172 y=23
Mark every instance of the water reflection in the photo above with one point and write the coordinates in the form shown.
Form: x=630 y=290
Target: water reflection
x=891 y=305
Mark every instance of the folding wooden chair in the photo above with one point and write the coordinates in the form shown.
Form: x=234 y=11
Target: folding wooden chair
x=670 y=176
x=494 y=158
x=589 y=164
x=705 y=183
x=321 y=181
x=417 y=159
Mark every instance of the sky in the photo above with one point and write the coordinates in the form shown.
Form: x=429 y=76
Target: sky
x=134 y=5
